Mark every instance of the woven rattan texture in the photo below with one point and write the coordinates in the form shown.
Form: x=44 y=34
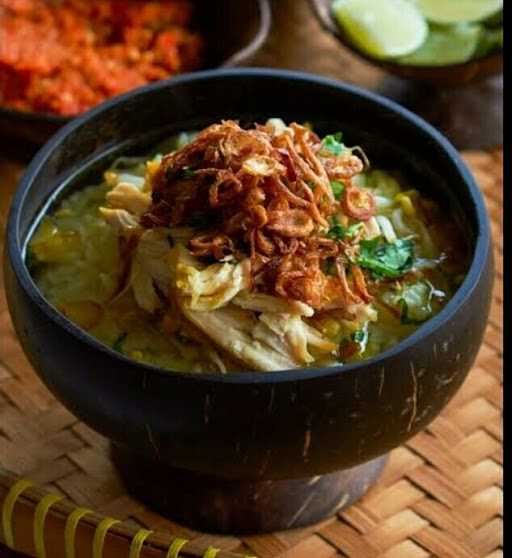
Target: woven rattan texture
x=441 y=494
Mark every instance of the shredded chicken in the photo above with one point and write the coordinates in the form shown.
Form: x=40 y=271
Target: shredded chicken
x=121 y=220
x=127 y=196
x=296 y=335
x=214 y=286
x=234 y=232
x=150 y=269
x=259 y=302
x=262 y=193
x=234 y=331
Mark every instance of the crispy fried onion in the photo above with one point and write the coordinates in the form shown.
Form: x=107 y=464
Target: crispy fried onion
x=264 y=197
x=343 y=167
x=211 y=244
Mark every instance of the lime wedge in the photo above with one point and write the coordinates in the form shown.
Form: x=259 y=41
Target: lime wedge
x=496 y=20
x=458 y=11
x=490 y=41
x=382 y=28
x=445 y=46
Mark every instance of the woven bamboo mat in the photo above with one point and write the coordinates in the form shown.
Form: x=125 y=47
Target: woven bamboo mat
x=441 y=494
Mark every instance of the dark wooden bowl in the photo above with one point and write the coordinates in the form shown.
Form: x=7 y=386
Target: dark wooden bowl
x=218 y=450
x=234 y=32
x=453 y=75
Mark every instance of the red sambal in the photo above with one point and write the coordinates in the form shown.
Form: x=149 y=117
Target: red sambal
x=64 y=57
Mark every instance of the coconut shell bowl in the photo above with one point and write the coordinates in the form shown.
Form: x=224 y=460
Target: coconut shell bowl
x=251 y=452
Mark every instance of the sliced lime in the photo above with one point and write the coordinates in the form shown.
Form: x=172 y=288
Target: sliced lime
x=445 y=46
x=382 y=28
x=490 y=41
x=458 y=11
x=496 y=20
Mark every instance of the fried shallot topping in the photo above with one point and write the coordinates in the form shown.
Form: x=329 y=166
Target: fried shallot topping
x=272 y=195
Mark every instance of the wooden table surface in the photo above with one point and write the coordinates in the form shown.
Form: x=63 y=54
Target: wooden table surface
x=472 y=117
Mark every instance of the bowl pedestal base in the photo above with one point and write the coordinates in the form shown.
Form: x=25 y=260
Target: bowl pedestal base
x=218 y=505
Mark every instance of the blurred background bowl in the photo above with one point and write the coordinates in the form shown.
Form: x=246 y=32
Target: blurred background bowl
x=452 y=75
x=234 y=31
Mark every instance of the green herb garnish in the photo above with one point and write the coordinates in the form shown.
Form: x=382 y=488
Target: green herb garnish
x=118 y=344
x=361 y=337
x=353 y=229
x=333 y=145
x=336 y=231
x=390 y=260
x=337 y=188
x=186 y=173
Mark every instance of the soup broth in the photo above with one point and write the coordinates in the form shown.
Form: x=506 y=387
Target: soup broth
x=223 y=245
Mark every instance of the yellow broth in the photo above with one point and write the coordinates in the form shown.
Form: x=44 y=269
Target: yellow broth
x=76 y=261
